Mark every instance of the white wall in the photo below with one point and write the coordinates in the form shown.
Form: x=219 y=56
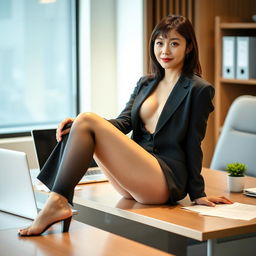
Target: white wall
x=112 y=61
x=98 y=57
x=129 y=47
x=85 y=55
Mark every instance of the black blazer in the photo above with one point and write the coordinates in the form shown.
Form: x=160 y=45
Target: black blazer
x=179 y=131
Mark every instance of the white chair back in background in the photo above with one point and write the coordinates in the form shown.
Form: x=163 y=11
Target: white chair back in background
x=237 y=141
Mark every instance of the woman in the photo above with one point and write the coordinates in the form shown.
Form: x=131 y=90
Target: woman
x=167 y=113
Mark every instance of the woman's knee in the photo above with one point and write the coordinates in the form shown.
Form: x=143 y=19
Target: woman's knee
x=88 y=119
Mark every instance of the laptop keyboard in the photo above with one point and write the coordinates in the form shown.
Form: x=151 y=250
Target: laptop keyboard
x=93 y=172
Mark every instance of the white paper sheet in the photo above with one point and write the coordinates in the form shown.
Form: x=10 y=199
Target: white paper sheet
x=232 y=211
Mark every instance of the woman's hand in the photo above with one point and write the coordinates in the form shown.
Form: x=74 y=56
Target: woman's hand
x=60 y=132
x=213 y=200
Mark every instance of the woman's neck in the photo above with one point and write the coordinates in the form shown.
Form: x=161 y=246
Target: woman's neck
x=171 y=77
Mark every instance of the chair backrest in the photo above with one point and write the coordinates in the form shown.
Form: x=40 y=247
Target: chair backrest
x=237 y=141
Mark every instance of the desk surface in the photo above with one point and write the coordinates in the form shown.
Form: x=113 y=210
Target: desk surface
x=103 y=197
x=81 y=240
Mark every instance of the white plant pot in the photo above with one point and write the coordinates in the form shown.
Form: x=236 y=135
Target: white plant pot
x=236 y=184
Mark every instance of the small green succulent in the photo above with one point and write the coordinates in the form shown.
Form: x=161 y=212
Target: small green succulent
x=236 y=169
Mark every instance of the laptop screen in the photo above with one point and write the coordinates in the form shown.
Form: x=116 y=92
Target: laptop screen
x=44 y=142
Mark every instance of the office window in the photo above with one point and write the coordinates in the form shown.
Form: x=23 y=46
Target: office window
x=37 y=63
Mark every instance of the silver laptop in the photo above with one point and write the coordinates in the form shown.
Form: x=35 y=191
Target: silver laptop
x=17 y=196
x=16 y=190
x=44 y=143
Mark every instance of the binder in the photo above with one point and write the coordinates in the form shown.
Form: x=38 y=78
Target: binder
x=246 y=57
x=228 y=56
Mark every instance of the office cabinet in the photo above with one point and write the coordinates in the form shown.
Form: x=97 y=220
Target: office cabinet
x=228 y=89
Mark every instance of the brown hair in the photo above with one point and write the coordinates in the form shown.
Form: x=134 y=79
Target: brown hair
x=184 y=27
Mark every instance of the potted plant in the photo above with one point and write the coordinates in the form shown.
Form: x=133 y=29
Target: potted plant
x=236 y=176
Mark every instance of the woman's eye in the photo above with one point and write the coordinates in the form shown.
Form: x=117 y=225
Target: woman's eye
x=158 y=43
x=173 y=44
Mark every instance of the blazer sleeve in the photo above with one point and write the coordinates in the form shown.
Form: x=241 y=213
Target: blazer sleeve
x=201 y=108
x=124 y=122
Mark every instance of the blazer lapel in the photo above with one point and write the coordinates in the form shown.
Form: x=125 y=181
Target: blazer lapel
x=175 y=98
x=143 y=94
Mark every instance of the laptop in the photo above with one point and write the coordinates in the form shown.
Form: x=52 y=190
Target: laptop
x=16 y=189
x=45 y=141
x=17 y=195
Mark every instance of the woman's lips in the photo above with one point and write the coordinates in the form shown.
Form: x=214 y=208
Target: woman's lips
x=166 y=59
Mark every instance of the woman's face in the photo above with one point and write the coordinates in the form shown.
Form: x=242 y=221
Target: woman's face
x=170 y=51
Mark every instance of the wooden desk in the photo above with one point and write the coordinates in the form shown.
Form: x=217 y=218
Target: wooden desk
x=173 y=219
x=81 y=240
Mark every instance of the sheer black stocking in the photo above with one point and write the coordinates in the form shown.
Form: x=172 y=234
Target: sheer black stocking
x=69 y=161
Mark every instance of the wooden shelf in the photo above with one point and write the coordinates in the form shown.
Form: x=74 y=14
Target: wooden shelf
x=227 y=90
x=238 y=81
x=238 y=25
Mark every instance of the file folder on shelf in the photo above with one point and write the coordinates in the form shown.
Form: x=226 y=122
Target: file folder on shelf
x=228 y=56
x=246 y=57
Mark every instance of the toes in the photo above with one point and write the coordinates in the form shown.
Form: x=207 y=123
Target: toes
x=24 y=231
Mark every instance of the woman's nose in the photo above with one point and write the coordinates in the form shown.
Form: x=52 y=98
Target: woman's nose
x=166 y=49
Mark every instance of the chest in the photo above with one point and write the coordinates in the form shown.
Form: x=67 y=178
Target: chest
x=153 y=106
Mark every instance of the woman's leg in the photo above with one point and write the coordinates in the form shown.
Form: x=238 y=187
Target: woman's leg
x=132 y=168
x=113 y=181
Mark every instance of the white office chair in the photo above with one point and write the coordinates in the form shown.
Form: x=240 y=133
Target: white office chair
x=237 y=141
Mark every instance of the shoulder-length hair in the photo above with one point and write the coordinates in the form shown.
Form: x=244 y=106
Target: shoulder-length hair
x=184 y=27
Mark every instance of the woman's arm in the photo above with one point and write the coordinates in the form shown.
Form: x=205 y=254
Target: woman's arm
x=123 y=122
x=200 y=110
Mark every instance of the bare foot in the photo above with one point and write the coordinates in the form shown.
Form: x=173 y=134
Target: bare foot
x=55 y=209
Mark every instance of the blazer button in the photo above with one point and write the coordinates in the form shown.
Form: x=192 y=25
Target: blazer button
x=155 y=150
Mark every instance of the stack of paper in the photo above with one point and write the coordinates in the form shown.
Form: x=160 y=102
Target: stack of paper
x=232 y=211
x=250 y=191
